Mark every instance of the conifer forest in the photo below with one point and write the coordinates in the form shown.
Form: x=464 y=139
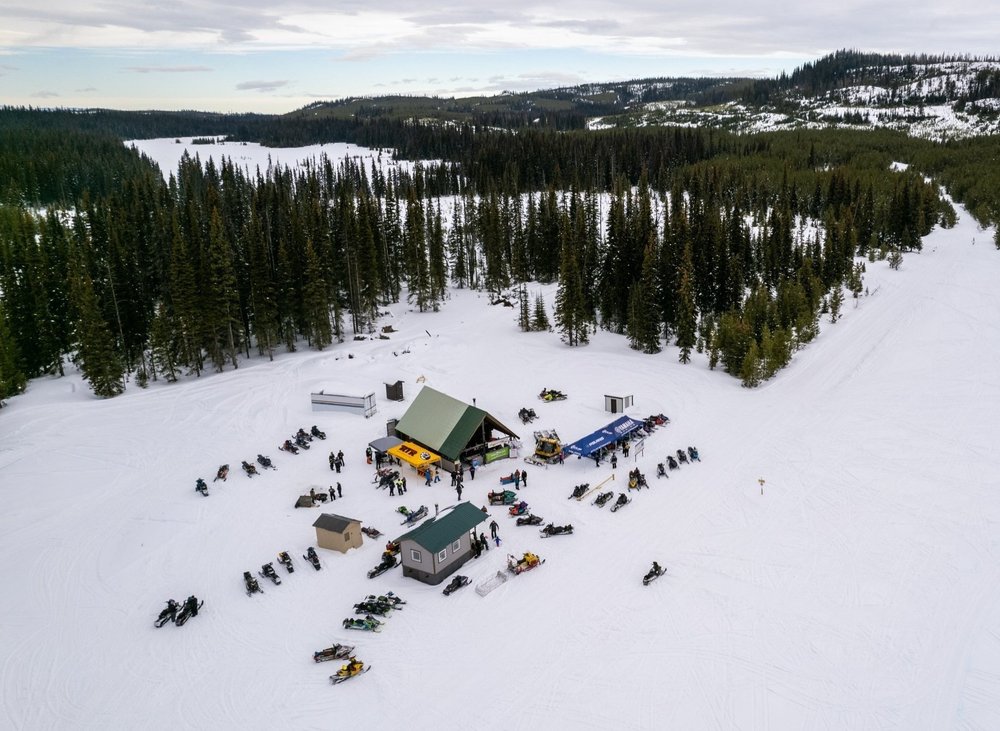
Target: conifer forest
x=735 y=245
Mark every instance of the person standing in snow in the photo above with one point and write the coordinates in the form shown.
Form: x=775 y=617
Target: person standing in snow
x=340 y=490
x=524 y=478
x=493 y=529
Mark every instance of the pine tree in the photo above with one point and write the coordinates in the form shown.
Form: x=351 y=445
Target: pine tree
x=750 y=371
x=222 y=305
x=164 y=344
x=687 y=319
x=96 y=356
x=570 y=315
x=524 y=314
x=836 y=302
x=540 y=318
x=644 y=304
x=315 y=301
x=12 y=379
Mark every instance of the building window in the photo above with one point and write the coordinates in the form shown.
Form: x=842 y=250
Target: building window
x=415 y=555
x=443 y=555
x=456 y=546
x=347 y=535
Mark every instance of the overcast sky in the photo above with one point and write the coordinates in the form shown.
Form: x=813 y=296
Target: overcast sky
x=250 y=55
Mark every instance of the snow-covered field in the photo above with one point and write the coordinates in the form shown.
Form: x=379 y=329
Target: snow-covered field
x=859 y=589
x=252 y=156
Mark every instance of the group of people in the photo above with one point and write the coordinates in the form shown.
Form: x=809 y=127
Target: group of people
x=337 y=461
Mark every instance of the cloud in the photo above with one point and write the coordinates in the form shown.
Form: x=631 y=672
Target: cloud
x=167 y=69
x=45 y=94
x=86 y=89
x=261 y=85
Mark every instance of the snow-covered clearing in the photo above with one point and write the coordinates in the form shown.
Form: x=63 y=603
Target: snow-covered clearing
x=860 y=590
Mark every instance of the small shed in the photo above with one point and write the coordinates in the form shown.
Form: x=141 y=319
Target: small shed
x=436 y=549
x=394 y=391
x=323 y=401
x=337 y=533
x=617 y=404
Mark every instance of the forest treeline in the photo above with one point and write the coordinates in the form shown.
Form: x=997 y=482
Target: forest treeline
x=698 y=239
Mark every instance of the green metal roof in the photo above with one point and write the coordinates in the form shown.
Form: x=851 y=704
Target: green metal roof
x=437 y=533
x=444 y=424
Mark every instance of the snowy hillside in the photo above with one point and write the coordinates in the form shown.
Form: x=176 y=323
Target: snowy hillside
x=859 y=587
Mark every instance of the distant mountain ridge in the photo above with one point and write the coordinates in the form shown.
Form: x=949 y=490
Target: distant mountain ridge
x=936 y=97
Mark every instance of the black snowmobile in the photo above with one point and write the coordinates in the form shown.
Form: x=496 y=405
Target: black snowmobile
x=455 y=584
x=223 y=473
x=336 y=652
x=579 y=491
x=556 y=530
x=621 y=502
x=603 y=498
x=201 y=486
x=265 y=462
x=317 y=433
x=249 y=469
x=169 y=614
x=190 y=609
x=682 y=456
x=289 y=447
x=653 y=574
x=251 y=584
x=671 y=462
x=268 y=572
x=381 y=609
x=388 y=562
x=312 y=558
x=661 y=471
x=285 y=560
x=300 y=441
x=530 y=519
x=388 y=598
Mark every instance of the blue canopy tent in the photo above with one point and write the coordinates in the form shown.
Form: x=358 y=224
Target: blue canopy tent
x=617 y=429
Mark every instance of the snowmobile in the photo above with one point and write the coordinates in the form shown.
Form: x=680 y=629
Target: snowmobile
x=351 y=670
x=603 y=498
x=551 y=394
x=579 y=491
x=530 y=519
x=190 y=609
x=526 y=563
x=403 y=510
x=251 y=584
x=223 y=473
x=249 y=469
x=303 y=434
x=376 y=607
x=265 y=462
x=386 y=478
x=167 y=615
x=268 y=572
x=622 y=501
x=285 y=560
x=301 y=442
x=520 y=509
x=653 y=574
x=201 y=486
x=289 y=447
x=388 y=562
x=455 y=584
x=661 y=471
x=336 y=652
x=388 y=598
x=312 y=558
x=317 y=433
x=367 y=624
x=392 y=547
x=371 y=532
x=693 y=454
x=682 y=456
x=415 y=517
x=671 y=462
x=527 y=415
x=507 y=497
x=556 y=530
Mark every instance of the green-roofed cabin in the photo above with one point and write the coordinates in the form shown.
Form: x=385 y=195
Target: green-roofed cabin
x=454 y=430
x=437 y=548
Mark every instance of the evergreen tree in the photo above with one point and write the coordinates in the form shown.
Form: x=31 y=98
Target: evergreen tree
x=96 y=355
x=222 y=306
x=540 y=318
x=163 y=344
x=750 y=370
x=524 y=315
x=686 y=316
x=570 y=315
x=644 y=304
x=12 y=379
x=836 y=302
x=315 y=301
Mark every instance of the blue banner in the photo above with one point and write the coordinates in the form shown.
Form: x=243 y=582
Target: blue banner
x=617 y=429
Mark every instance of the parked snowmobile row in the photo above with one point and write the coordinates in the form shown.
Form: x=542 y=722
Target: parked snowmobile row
x=179 y=613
